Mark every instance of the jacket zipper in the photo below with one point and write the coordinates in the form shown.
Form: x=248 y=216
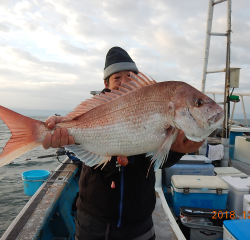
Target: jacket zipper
x=121 y=197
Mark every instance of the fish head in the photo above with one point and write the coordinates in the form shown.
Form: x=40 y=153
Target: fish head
x=195 y=113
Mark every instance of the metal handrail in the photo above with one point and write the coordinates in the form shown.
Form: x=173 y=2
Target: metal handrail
x=242 y=101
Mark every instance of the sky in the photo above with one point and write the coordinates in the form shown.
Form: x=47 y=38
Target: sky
x=53 y=52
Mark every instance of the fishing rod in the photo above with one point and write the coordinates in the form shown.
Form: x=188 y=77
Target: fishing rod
x=28 y=159
x=59 y=152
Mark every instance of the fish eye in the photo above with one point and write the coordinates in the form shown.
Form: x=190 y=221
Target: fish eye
x=199 y=103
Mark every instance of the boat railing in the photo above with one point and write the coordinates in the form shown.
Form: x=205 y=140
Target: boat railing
x=242 y=101
x=60 y=179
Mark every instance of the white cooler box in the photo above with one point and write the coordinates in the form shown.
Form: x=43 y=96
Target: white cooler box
x=236 y=229
x=238 y=187
x=242 y=149
x=228 y=171
x=198 y=191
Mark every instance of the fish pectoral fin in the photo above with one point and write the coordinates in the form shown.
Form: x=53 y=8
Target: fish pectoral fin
x=159 y=156
x=89 y=158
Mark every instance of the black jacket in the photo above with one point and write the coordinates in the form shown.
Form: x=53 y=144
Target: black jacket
x=133 y=198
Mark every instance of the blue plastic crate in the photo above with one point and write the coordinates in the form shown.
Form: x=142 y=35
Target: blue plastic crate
x=239 y=229
x=186 y=169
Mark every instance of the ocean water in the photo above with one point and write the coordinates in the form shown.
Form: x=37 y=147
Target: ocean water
x=12 y=197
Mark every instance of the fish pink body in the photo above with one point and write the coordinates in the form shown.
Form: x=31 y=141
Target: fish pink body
x=141 y=117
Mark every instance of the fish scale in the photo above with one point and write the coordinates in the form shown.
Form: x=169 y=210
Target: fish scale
x=123 y=129
x=143 y=116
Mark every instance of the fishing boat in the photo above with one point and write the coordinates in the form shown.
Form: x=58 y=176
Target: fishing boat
x=50 y=212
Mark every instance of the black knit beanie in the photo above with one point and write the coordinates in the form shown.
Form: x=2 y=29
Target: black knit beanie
x=117 y=60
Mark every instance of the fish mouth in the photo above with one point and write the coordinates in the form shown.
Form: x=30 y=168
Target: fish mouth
x=216 y=118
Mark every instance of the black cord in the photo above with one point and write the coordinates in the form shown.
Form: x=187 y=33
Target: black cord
x=231 y=92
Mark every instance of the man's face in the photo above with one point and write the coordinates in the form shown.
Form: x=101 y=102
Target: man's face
x=116 y=79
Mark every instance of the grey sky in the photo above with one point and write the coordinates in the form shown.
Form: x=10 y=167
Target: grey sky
x=53 y=52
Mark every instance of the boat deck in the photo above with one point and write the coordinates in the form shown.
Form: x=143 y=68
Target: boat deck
x=162 y=223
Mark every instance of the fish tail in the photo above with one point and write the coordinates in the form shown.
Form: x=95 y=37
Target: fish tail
x=24 y=135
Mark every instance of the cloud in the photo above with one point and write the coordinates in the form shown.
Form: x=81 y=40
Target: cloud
x=3 y=28
x=52 y=55
x=72 y=50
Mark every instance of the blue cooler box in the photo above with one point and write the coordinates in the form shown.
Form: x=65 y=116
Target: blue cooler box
x=198 y=191
x=206 y=169
x=236 y=229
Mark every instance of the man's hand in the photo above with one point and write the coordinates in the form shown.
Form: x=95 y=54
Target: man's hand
x=52 y=120
x=183 y=145
x=60 y=137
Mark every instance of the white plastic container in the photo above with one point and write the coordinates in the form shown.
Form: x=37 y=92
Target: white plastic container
x=238 y=187
x=234 y=77
x=227 y=235
x=228 y=171
x=246 y=206
x=239 y=129
x=194 y=159
x=242 y=149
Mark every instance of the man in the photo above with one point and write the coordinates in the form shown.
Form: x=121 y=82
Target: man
x=117 y=202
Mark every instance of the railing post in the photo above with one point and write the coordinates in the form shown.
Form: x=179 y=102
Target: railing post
x=208 y=36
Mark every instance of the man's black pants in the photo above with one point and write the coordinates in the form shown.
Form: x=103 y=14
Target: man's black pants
x=90 y=228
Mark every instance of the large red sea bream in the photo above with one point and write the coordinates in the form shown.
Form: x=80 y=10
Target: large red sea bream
x=141 y=117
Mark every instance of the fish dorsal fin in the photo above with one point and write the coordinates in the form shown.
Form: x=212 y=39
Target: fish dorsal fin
x=87 y=105
x=141 y=79
x=137 y=81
